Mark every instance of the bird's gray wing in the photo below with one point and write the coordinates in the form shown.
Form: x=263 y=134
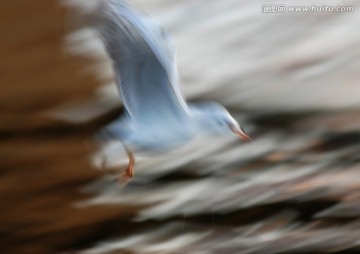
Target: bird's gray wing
x=144 y=60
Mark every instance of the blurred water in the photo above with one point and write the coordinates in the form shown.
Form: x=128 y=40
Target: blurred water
x=290 y=78
x=292 y=66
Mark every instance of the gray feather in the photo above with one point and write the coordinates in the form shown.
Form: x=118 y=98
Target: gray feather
x=143 y=56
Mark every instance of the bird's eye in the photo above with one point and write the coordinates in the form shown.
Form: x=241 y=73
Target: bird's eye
x=222 y=123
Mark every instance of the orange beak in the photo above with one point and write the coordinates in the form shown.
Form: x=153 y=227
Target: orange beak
x=241 y=134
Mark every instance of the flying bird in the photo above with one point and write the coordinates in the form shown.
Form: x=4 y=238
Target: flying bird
x=157 y=118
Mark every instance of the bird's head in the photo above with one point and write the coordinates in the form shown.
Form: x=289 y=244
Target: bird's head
x=218 y=121
x=225 y=123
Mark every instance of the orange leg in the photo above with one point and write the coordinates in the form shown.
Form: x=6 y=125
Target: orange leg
x=129 y=172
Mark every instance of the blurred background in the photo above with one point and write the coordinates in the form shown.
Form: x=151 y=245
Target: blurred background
x=290 y=78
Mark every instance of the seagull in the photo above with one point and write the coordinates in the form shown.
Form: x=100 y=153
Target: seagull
x=156 y=118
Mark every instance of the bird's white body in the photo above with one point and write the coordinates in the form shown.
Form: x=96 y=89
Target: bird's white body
x=155 y=138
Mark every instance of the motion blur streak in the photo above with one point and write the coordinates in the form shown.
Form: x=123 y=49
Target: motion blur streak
x=292 y=78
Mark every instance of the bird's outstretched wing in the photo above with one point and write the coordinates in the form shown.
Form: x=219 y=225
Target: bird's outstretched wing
x=144 y=60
